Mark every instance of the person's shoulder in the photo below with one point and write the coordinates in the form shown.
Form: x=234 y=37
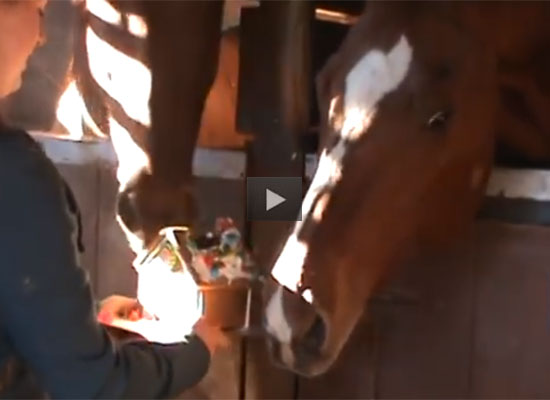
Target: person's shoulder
x=16 y=144
x=20 y=154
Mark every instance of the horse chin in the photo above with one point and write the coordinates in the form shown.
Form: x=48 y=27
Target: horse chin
x=312 y=355
x=306 y=365
x=315 y=368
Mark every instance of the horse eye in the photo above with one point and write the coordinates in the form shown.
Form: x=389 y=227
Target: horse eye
x=439 y=120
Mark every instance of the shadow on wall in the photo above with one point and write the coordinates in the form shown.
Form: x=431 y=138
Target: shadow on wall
x=33 y=106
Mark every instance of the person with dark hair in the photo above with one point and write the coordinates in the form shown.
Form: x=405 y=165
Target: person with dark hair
x=48 y=320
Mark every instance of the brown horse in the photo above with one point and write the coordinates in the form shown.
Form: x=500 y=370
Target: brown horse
x=411 y=106
x=144 y=70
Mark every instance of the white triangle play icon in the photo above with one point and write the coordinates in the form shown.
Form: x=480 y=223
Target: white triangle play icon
x=272 y=199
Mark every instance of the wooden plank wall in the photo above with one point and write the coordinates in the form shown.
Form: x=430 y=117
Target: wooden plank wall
x=469 y=323
x=511 y=352
x=273 y=106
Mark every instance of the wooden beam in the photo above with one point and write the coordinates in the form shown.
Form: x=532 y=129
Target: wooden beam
x=207 y=163
x=273 y=106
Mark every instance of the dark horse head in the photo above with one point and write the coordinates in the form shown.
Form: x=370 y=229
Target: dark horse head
x=182 y=43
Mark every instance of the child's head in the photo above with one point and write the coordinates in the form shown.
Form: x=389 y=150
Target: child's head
x=20 y=33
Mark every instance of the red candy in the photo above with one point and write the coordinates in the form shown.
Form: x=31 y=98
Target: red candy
x=208 y=260
x=223 y=224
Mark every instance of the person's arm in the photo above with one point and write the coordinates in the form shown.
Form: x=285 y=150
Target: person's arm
x=46 y=306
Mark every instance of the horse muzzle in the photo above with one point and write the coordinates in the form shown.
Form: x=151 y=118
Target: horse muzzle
x=297 y=331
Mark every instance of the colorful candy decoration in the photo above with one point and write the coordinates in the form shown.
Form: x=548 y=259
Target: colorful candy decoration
x=220 y=255
x=215 y=257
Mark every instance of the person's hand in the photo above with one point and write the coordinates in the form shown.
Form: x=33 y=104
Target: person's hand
x=212 y=336
x=118 y=307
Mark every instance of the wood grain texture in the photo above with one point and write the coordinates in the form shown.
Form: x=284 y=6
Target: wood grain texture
x=511 y=356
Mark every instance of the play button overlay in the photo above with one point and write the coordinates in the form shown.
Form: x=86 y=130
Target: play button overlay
x=273 y=198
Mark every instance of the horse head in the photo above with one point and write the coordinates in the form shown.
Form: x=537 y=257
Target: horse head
x=161 y=193
x=408 y=108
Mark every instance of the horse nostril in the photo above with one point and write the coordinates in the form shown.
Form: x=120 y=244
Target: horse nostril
x=316 y=335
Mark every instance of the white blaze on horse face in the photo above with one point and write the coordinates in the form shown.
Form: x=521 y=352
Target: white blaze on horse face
x=334 y=119
x=374 y=76
x=288 y=267
x=277 y=324
x=294 y=253
x=320 y=207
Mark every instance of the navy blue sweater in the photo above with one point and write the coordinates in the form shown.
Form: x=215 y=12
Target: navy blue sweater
x=47 y=315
